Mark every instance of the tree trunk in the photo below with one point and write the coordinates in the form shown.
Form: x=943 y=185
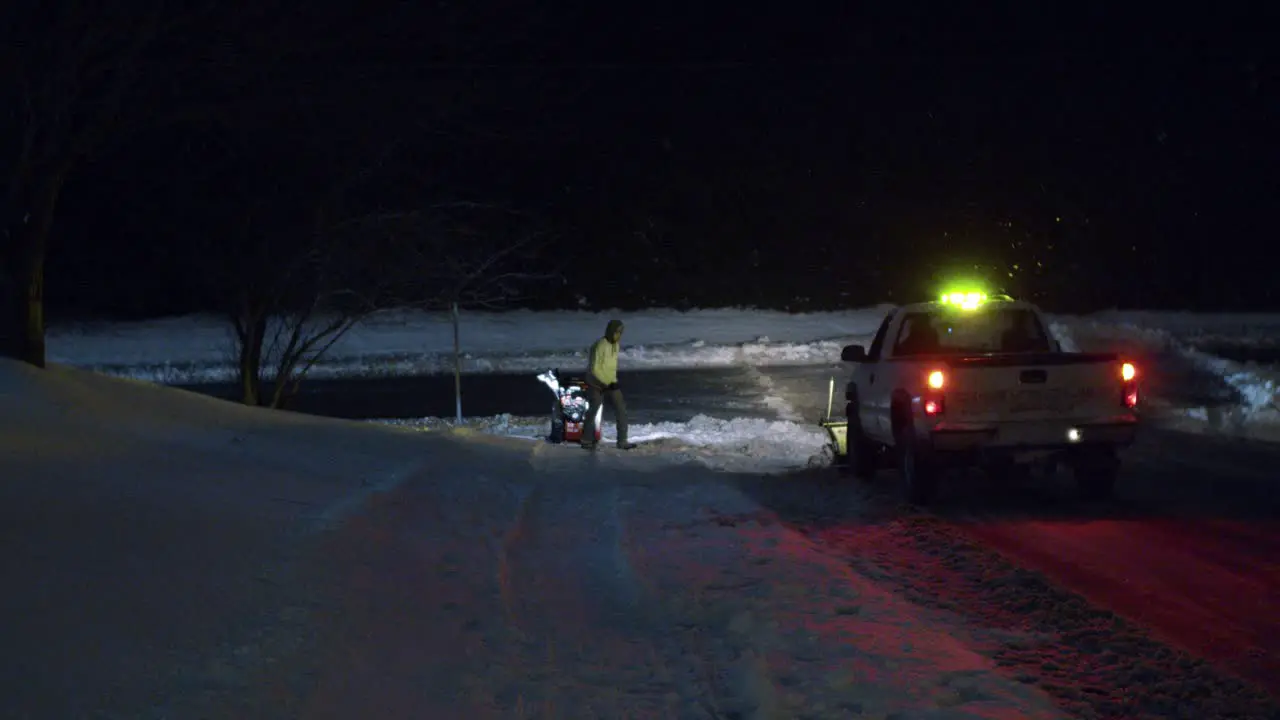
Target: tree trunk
x=457 y=365
x=282 y=392
x=285 y=376
x=22 y=332
x=22 y=328
x=33 y=347
x=251 y=342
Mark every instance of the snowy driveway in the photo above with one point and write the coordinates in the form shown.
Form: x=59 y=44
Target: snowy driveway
x=609 y=586
x=622 y=585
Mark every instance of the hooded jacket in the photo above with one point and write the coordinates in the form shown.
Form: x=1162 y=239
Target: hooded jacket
x=602 y=366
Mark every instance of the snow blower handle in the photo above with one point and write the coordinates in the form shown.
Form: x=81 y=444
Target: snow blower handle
x=831 y=394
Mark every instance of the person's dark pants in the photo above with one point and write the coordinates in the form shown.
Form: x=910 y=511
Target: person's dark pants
x=597 y=395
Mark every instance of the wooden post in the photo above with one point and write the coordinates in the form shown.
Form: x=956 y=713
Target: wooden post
x=457 y=365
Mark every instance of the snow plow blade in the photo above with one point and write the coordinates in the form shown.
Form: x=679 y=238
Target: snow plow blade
x=837 y=430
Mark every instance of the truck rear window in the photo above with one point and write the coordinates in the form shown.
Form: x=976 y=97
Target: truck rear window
x=988 y=330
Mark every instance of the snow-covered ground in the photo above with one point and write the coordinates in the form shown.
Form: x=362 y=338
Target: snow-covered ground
x=171 y=555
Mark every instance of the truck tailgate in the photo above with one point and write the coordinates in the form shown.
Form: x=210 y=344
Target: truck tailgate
x=1028 y=387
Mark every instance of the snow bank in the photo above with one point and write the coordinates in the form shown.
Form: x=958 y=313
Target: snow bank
x=1169 y=338
x=1255 y=416
x=150 y=531
x=198 y=349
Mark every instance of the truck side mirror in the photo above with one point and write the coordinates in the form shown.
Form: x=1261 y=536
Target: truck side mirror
x=853 y=353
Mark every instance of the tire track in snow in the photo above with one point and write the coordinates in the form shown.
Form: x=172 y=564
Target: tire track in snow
x=594 y=638
x=771 y=396
x=802 y=390
x=786 y=411
x=566 y=544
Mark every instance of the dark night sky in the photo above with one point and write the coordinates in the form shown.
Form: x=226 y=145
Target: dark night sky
x=718 y=156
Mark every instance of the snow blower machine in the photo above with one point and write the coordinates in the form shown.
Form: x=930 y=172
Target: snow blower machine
x=569 y=410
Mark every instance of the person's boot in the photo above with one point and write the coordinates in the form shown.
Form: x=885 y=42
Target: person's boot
x=624 y=445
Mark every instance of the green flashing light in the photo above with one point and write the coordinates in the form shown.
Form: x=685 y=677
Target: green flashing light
x=964 y=300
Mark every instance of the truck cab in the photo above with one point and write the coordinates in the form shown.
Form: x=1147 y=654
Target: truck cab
x=977 y=380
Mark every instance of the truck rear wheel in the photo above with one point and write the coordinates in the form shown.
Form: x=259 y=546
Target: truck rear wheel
x=919 y=469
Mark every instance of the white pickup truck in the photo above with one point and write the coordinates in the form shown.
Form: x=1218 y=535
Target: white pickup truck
x=980 y=381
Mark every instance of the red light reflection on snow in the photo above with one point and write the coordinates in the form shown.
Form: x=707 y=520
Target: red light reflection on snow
x=818 y=618
x=1209 y=586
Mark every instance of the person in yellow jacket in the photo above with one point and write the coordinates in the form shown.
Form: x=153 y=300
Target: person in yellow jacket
x=602 y=382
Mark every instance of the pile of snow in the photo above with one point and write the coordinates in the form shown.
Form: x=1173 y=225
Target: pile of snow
x=149 y=532
x=1256 y=414
x=199 y=349
x=1061 y=332
x=750 y=445
x=1256 y=384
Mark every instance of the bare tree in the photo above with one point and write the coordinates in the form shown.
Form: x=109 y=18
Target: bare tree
x=300 y=307
x=302 y=267
x=291 y=298
x=479 y=256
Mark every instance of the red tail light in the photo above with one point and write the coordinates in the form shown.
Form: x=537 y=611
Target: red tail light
x=931 y=401
x=1129 y=395
x=1129 y=385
